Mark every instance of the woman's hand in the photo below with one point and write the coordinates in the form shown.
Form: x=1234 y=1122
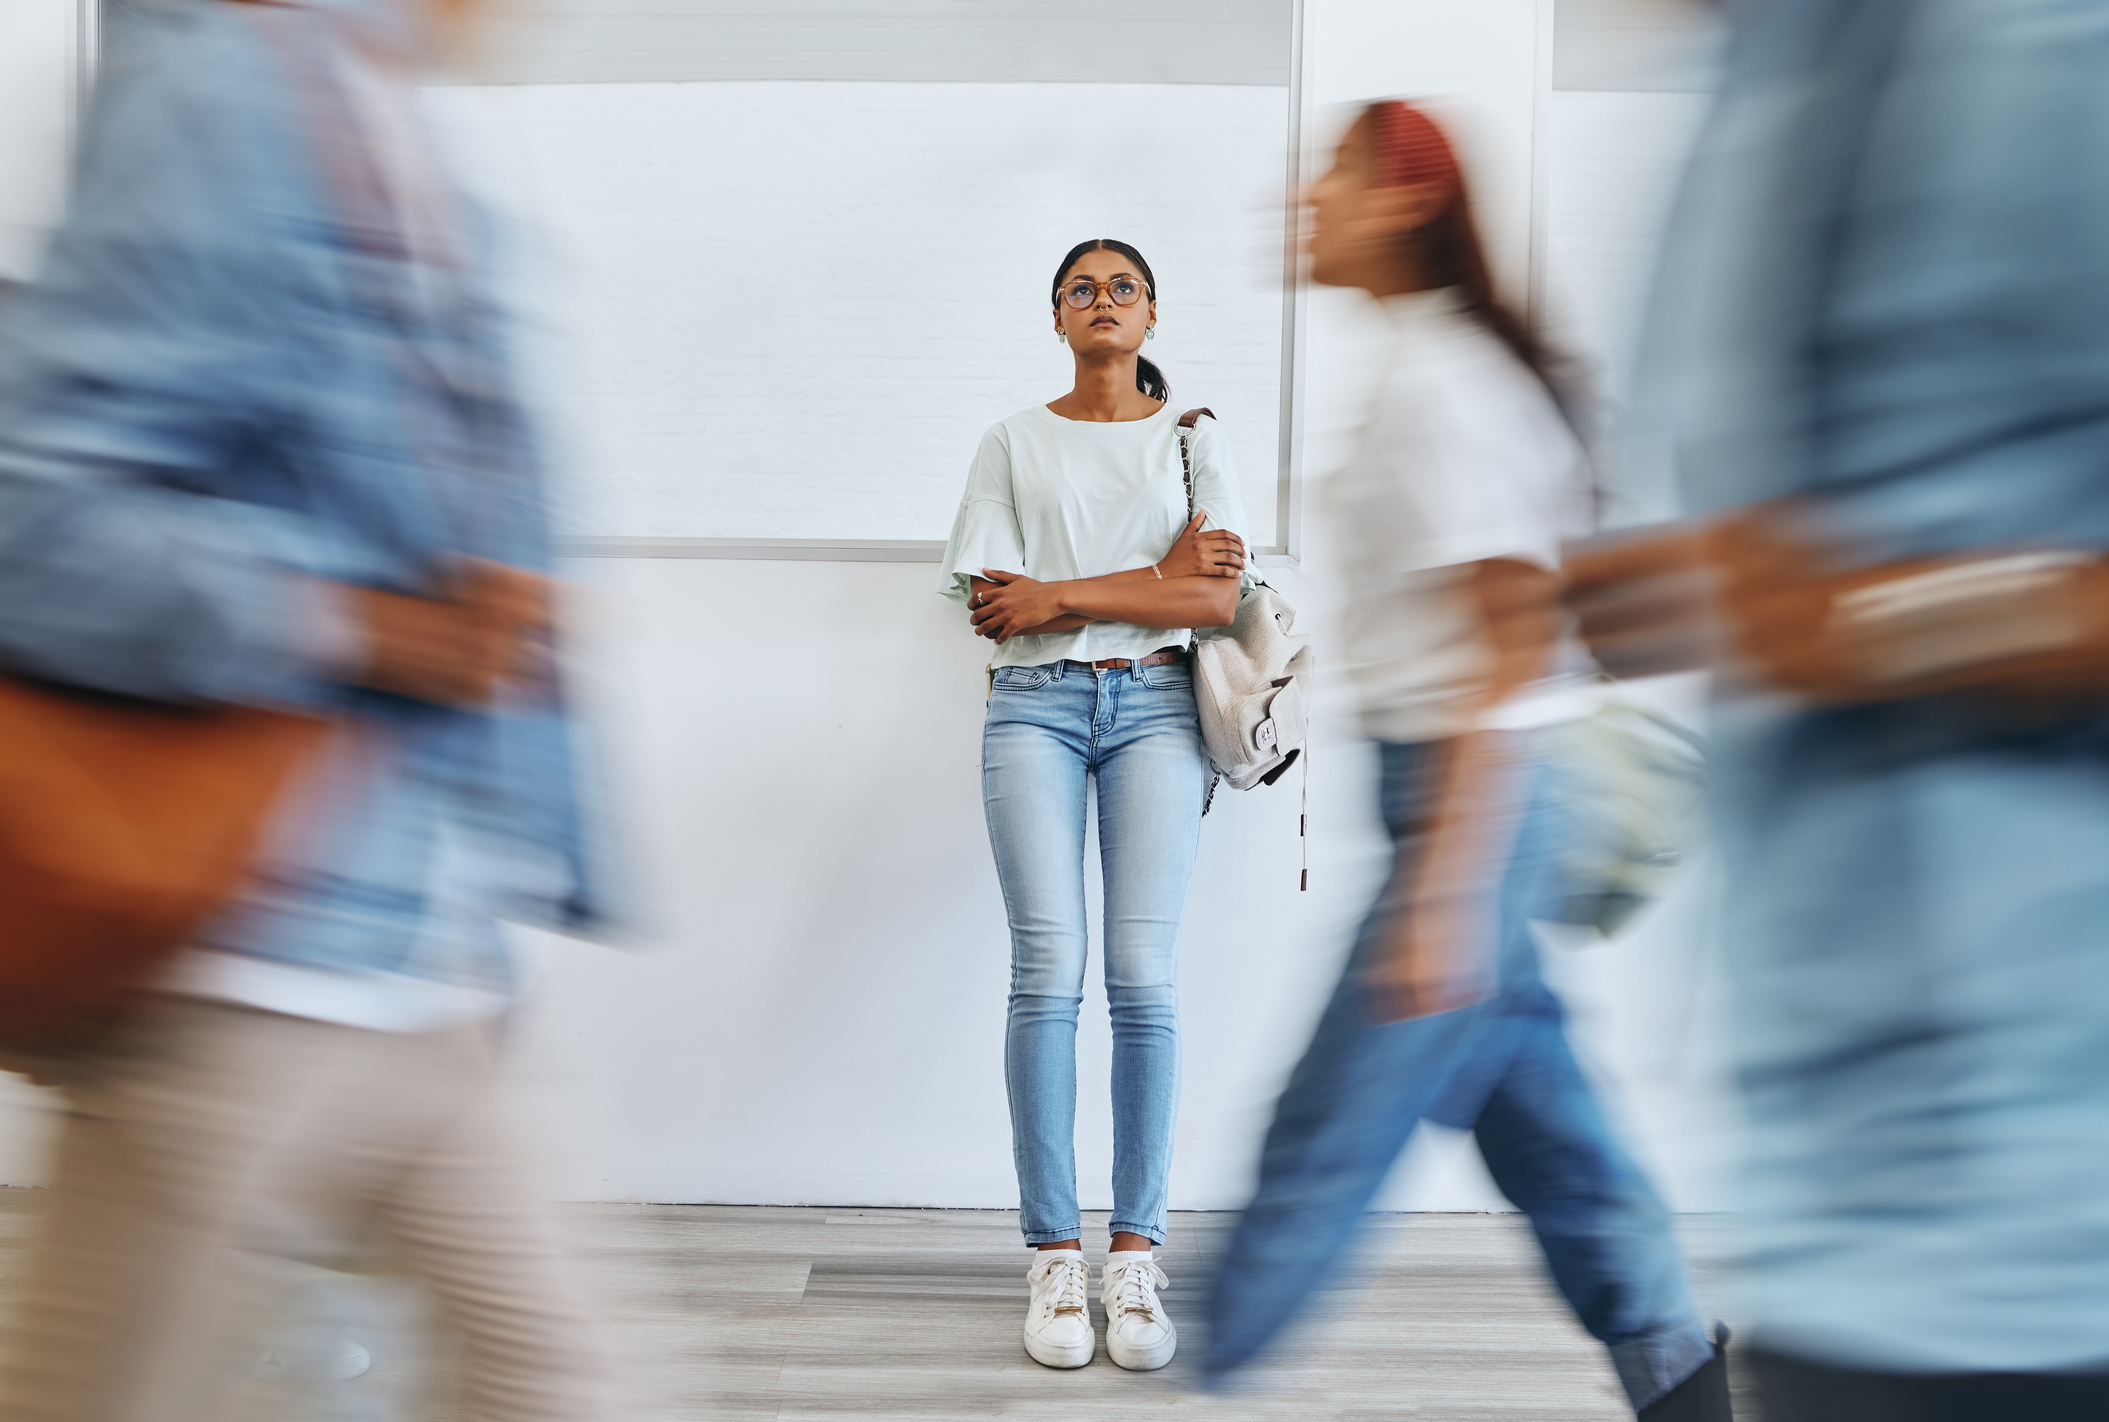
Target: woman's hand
x=458 y=648
x=1198 y=553
x=1441 y=949
x=1014 y=606
x=1436 y=958
x=1644 y=603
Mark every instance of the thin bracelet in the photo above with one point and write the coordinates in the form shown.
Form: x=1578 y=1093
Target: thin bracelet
x=1160 y=576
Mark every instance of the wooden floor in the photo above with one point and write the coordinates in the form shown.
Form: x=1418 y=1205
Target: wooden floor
x=800 y=1315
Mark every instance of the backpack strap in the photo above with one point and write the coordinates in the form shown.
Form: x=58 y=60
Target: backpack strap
x=1187 y=422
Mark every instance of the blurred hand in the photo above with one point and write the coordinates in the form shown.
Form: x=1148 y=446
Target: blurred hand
x=1440 y=950
x=1775 y=603
x=1014 y=605
x=1213 y=553
x=455 y=649
x=1644 y=605
x=1437 y=959
x=2027 y=627
x=1759 y=588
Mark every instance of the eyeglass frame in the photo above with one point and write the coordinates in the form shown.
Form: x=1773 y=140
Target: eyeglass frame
x=1100 y=288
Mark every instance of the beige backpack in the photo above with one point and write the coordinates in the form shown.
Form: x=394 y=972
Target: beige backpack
x=1251 y=681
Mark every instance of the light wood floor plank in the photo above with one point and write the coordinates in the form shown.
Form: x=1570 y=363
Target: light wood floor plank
x=762 y=1314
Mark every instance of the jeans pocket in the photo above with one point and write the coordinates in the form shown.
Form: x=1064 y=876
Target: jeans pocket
x=1172 y=676
x=1021 y=678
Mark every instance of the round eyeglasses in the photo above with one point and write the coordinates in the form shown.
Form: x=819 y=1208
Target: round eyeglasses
x=1082 y=293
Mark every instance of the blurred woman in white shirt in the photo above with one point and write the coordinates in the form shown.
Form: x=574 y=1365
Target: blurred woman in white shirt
x=1450 y=520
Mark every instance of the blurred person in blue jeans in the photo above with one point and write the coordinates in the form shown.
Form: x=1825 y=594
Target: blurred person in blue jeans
x=1880 y=362
x=1450 y=520
x=261 y=444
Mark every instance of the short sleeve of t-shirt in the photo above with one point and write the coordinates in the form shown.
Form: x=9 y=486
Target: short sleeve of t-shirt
x=985 y=534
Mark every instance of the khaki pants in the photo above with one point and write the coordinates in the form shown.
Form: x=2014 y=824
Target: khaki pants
x=214 y=1135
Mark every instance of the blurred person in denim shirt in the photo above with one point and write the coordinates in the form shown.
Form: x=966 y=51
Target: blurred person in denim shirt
x=261 y=444
x=1880 y=361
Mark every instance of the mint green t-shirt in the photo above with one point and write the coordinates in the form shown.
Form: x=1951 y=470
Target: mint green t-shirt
x=1056 y=499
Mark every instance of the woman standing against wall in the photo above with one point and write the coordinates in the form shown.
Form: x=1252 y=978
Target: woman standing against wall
x=1076 y=555
x=1450 y=521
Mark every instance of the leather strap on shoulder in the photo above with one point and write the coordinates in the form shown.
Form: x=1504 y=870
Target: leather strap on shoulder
x=1186 y=464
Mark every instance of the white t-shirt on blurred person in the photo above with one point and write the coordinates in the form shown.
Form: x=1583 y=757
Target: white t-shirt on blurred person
x=1465 y=457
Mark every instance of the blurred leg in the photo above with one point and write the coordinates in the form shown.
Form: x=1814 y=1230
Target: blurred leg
x=206 y=1142
x=468 y=1221
x=218 y=1134
x=1033 y=767
x=124 y=1314
x=1152 y=779
x=1355 y=1098
x=1350 y=1106
x=1605 y=1234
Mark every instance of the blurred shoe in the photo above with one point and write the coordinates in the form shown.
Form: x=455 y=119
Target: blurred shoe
x=351 y=1361
x=347 y=1361
x=1139 y=1335
x=1058 y=1320
x=1702 y=1397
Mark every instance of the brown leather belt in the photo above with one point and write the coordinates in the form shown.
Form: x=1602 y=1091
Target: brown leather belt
x=1154 y=659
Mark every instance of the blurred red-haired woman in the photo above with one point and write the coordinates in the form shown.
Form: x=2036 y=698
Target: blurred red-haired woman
x=1450 y=521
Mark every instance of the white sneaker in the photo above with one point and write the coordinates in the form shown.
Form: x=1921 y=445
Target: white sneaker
x=1058 y=1320
x=1139 y=1334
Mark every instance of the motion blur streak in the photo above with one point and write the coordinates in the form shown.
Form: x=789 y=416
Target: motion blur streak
x=260 y=446
x=1880 y=352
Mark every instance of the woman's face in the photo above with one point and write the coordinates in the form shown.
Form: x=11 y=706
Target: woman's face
x=1105 y=327
x=1358 y=224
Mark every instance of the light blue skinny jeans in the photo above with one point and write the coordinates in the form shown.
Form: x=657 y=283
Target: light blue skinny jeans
x=1050 y=731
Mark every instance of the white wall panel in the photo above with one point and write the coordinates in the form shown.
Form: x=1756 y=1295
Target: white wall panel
x=790 y=310
x=818 y=1016
x=38 y=41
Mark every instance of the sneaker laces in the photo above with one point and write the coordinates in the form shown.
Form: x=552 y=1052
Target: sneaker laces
x=1135 y=1286
x=1068 y=1293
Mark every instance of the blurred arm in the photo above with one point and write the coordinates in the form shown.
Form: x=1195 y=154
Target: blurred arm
x=1439 y=955
x=1764 y=588
x=129 y=377
x=170 y=398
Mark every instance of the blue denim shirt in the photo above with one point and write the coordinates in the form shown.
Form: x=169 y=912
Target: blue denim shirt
x=1888 y=292
x=223 y=391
